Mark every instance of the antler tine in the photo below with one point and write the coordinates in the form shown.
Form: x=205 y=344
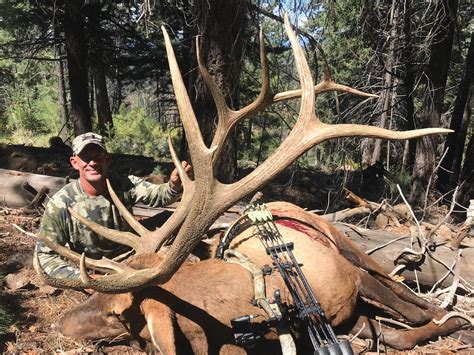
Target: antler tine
x=103 y=265
x=229 y=118
x=185 y=180
x=307 y=111
x=326 y=70
x=85 y=278
x=124 y=238
x=219 y=99
x=309 y=130
x=177 y=218
x=137 y=227
x=196 y=145
x=320 y=88
x=75 y=284
x=327 y=84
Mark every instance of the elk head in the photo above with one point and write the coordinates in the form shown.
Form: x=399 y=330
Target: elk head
x=204 y=197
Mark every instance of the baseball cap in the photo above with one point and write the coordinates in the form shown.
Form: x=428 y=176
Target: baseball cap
x=80 y=142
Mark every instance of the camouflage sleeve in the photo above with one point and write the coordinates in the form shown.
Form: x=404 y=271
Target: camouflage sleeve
x=153 y=195
x=53 y=226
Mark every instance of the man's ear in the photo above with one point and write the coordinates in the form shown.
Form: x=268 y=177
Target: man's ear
x=74 y=162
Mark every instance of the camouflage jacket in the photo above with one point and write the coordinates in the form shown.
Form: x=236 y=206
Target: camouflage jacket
x=58 y=225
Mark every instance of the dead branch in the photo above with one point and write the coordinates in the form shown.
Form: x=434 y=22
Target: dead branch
x=24 y=231
x=451 y=315
x=347 y=213
x=370 y=251
x=454 y=286
x=359 y=201
x=392 y=321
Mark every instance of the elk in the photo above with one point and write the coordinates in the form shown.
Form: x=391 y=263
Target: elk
x=143 y=296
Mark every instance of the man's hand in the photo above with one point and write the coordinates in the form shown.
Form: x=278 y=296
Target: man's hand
x=175 y=181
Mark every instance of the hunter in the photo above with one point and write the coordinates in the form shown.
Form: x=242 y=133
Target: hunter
x=89 y=197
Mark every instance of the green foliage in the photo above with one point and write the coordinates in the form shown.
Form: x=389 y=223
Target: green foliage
x=29 y=109
x=136 y=133
x=352 y=33
x=398 y=177
x=29 y=115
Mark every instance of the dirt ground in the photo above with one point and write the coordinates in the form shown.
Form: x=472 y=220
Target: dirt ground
x=33 y=307
x=28 y=308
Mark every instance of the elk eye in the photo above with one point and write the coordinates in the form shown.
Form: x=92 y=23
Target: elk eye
x=116 y=315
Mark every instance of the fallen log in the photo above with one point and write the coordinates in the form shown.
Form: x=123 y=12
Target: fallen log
x=429 y=272
x=14 y=195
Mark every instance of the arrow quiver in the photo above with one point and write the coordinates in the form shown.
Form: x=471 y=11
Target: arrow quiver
x=308 y=310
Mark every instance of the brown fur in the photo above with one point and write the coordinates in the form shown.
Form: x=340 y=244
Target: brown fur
x=333 y=278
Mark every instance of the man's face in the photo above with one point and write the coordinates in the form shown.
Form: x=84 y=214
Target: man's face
x=92 y=163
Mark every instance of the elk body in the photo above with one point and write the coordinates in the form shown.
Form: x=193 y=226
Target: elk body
x=193 y=311
x=332 y=263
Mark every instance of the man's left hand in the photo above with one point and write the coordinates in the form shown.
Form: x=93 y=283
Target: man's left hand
x=175 y=181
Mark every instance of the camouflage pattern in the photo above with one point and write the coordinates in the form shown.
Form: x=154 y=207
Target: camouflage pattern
x=58 y=225
x=80 y=142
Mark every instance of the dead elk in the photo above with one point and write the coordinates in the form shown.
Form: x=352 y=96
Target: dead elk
x=205 y=199
x=193 y=311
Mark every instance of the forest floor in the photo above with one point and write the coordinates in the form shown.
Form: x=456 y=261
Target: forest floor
x=29 y=308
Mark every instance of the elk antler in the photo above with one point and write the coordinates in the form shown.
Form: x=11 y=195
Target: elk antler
x=205 y=198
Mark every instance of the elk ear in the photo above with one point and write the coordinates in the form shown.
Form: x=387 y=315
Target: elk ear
x=119 y=303
x=161 y=323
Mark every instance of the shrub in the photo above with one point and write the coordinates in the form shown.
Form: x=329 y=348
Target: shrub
x=136 y=133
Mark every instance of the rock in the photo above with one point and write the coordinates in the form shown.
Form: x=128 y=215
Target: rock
x=403 y=211
x=444 y=234
x=381 y=221
x=16 y=281
x=49 y=290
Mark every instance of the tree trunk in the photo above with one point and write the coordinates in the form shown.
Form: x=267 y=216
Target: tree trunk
x=449 y=175
x=437 y=73
x=63 y=116
x=76 y=50
x=389 y=91
x=221 y=25
x=466 y=179
x=429 y=271
x=408 y=87
x=91 y=91
x=117 y=96
x=104 y=114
